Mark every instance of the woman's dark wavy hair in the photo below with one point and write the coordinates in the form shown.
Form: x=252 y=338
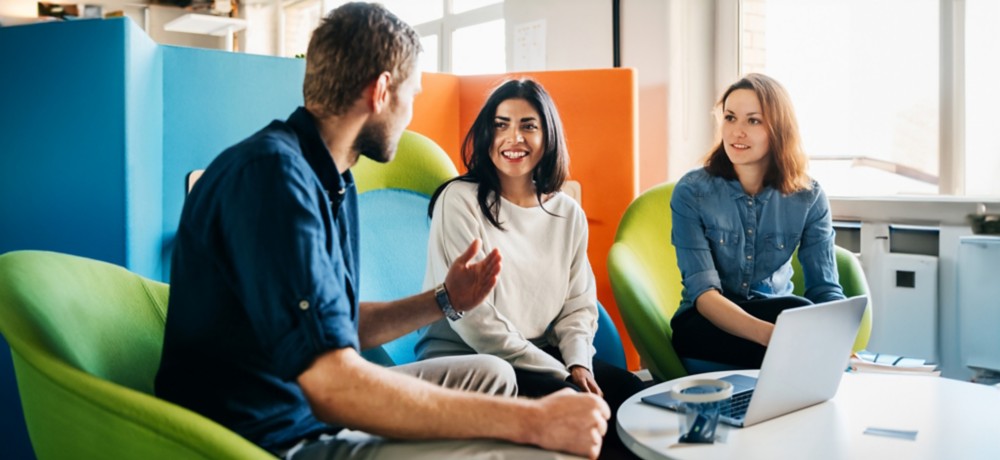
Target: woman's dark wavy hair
x=549 y=174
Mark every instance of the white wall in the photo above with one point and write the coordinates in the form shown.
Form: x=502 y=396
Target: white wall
x=645 y=37
x=577 y=32
x=693 y=81
x=19 y=8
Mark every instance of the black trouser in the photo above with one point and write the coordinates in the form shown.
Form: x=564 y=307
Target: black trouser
x=694 y=336
x=617 y=384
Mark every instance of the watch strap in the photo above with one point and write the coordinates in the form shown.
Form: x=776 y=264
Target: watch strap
x=444 y=303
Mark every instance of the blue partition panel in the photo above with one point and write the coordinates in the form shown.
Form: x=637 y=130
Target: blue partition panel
x=143 y=141
x=212 y=100
x=61 y=149
x=64 y=153
x=98 y=128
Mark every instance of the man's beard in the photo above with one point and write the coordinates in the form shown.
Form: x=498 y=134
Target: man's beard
x=373 y=142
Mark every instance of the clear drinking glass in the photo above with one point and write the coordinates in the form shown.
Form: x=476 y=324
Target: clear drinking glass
x=701 y=403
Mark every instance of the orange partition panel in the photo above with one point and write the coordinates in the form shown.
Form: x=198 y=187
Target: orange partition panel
x=435 y=112
x=599 y=114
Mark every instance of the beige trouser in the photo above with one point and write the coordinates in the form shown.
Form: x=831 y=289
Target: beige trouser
x=481 y=373
x=359 y=445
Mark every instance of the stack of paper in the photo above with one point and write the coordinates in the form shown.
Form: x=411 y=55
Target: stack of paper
x=866 y=361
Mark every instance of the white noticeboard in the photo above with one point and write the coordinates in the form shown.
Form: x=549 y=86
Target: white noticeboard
x=529 y=46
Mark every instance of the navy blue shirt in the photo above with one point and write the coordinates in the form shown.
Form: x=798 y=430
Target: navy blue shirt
x=263 y=281
x=742 y=245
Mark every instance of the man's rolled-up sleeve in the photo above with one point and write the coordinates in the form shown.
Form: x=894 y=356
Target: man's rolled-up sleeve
x=288 y=265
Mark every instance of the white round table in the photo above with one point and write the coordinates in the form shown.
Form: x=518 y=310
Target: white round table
x=953 y=419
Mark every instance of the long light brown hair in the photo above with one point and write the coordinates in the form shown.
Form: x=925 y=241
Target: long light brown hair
x=787 y=170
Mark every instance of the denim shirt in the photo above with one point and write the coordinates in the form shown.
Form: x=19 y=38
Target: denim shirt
x=742 y=245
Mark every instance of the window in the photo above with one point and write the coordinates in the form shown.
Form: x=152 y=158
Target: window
x=459 y=36
x=866 y=78
x=982 y=100
x=479 y=49
x=429 y=60
x=298 y=20
x=461 y=6
x=416 y=11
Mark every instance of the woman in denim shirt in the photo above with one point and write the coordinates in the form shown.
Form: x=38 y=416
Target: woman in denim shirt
x=736 y=223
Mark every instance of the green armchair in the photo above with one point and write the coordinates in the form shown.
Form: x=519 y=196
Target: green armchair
x=646 y=282
x=86 y=338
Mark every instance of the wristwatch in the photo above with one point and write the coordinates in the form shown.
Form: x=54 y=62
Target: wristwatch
x=441 y=295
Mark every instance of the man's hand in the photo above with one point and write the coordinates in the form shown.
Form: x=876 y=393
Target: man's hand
x=571 y=422
x=583 y=378
x=468 y=283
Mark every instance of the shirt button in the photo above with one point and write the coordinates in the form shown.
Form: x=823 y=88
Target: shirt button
x=750 y=231
x=304 y=305
x=744 y=284
x=749 y=257
x=781 y=246
x=749 y=202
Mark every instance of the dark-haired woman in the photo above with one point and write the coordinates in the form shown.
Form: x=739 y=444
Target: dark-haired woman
x=542 y=316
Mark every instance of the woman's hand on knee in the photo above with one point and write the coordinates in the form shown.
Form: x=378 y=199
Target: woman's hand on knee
x=583 y=378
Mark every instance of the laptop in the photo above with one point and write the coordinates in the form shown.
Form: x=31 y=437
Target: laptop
x=808 y=353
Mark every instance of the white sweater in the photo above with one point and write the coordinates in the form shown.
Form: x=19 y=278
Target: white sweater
x=546 y=293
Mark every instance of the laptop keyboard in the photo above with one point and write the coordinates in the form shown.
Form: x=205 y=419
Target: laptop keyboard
x=738 y=406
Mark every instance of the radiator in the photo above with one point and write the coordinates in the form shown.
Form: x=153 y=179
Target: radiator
x=979 y=303
x=904 y=305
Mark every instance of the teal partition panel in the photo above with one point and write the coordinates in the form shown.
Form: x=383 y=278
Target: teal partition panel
x=61 y=148
x=212 y=100
x=81 y=145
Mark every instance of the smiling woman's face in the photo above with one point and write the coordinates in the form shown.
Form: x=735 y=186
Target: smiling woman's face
x=744 y=130
x=518 y=140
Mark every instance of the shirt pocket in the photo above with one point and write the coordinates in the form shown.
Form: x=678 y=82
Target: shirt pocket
x=777 y=249
x=725 y=247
